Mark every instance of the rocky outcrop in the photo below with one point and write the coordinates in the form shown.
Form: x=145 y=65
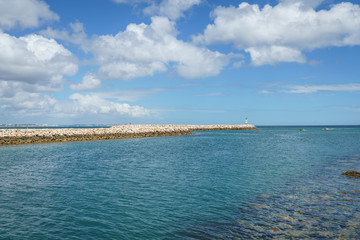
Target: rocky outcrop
x=354 y=174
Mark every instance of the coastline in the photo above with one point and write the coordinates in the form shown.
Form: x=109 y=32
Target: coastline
x=45 y=135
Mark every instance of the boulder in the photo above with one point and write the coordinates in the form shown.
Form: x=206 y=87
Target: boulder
x=354 y=174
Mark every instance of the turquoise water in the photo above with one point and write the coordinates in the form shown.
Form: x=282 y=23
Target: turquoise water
x=277 y=182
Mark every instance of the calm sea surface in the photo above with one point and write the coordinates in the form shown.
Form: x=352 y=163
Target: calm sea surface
x=277 y=182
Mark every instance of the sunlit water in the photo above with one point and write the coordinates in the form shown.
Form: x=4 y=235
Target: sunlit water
x=277 y=182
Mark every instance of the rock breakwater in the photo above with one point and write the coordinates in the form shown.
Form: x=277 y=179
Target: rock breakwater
x=30 y=136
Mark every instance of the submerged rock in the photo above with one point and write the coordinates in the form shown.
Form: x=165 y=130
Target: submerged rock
x=325 y=234
x=354 y=174
x=274 y=230
x=288 y=218
x=262 y=206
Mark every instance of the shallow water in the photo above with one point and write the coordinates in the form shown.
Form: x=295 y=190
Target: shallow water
x=277 y=182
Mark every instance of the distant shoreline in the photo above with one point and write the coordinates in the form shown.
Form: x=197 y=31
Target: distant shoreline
x=50 y=135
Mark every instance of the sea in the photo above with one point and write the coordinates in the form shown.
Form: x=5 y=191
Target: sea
x=272 y=183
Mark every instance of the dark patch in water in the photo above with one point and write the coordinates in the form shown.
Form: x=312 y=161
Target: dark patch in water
x=325 y=207
x=317 y=208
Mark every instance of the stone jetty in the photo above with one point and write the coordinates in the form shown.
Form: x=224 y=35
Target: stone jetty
x=46 y=135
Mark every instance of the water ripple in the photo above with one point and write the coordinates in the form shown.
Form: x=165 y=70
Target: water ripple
x=271 y=183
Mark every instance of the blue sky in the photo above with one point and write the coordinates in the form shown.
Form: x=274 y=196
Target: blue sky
x=285 y=62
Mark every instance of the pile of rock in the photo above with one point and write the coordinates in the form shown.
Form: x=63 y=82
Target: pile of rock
x=350 y=173
x=25 y=136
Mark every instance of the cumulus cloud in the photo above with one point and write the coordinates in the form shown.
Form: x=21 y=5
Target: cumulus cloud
x=143 y=50
x=94 y=104
x=35 y=59
x=172 y=9
x=89 y=82
x=24 y=13
x=31 y=66
x=274 y=54
x=21 y=99
x=288 y=28
x=304 y=3
x=76 y=36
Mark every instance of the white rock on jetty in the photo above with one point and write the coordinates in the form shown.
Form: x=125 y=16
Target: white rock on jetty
x=20 y=136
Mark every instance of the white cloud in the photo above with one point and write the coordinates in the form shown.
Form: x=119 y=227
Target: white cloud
x=124 y=69
x=351 y=87
x=89 y=82
x=24 y=13
x=274 y=54
x=35 y=59
x=77 y=35
x=94 y=104
x=304 y=3
x=143 y=50
x=291 y=26
x=172 y=9
x=19 y=99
